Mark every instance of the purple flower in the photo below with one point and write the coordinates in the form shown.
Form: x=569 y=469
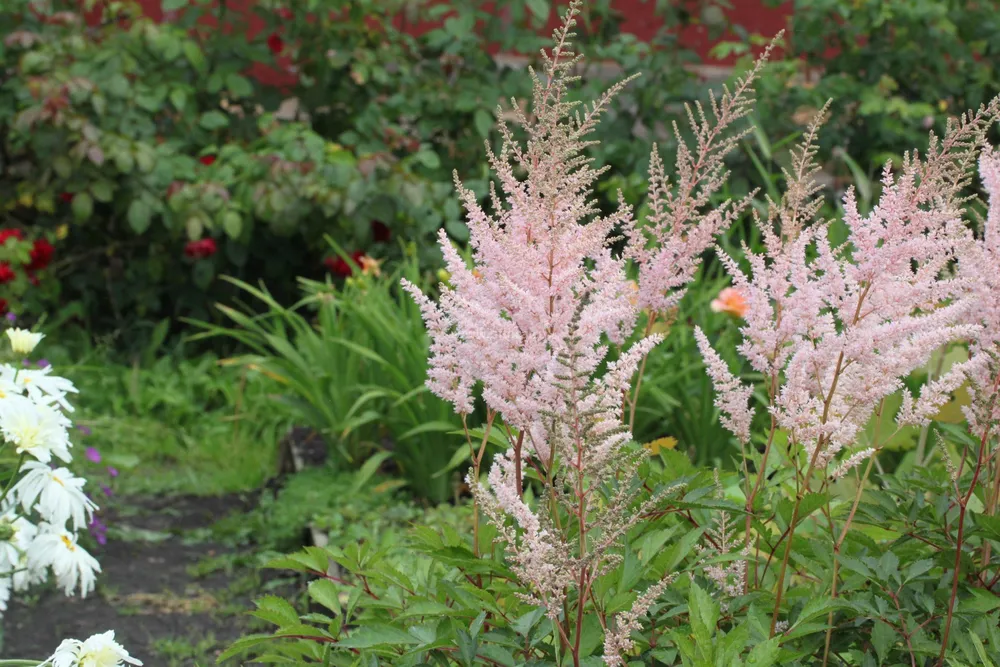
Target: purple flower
x=107 y=490
x=99 y=530
x=43 y=363
x=113 y=471
x=25 y=363
x=83 y=429
x=93 y=455
x=11 y=317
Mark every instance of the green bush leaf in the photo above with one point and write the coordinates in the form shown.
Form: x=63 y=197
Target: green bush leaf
x=213 y=120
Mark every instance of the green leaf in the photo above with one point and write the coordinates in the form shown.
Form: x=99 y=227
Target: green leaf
x=883 y=638
x=139 y=216
x=102 y=191
x=83 y=207
x=232 y=224
x=173 y=5
x=244 y=643
x=704 y=613
x=378 y=635
x=457 y=230
x=62 y=166
x=483 y=120
x=325 y=592
x=764 y=654
x=196 y=57
x=540 y=8
x=239 y=86
x=178 y=97
x=428 y=158
x=213 y=120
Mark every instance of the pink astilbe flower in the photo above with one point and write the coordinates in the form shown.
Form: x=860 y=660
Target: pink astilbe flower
x=836 y=329
x=682 y=223
x=980 y=264
x=733 y=397
x=542 y=268
x=618 y=640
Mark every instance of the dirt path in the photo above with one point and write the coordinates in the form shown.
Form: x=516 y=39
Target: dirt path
x=172 y=596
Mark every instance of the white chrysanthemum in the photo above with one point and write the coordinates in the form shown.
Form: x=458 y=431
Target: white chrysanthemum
x=43 y=387
x=5 y=583
x=23 y=341
x=97 y=651
x=18 y=534
x=59 y=494
x=8 y=386
x=36 y=429
x=71 y=564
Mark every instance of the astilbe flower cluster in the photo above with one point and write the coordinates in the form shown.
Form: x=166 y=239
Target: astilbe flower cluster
x=835 y=330
x=532 y=320
x=979 y=263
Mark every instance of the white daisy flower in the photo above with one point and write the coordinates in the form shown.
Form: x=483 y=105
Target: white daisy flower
x=5 y=583
x=36 y=429
x=59 y=494
x=8 y=387
x=23 y=341
x=19 y=534
x=71 y=564
x=43 y=387
x=97 y=651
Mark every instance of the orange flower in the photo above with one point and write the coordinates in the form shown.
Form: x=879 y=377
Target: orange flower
x=730 y=300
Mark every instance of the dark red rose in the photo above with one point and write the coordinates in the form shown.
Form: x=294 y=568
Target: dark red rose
x=6 y=273
x=6 y=234
x=41 y=255
x=338 y=266
x=275 y=43
x=67 y=197
x=207 y=160
x=381 y=232
x=285 y=14
x=200 y=249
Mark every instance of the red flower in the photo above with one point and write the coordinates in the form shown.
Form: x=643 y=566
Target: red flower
x=200 y=249
x=207 y=160
x=67 y=197
x=6 y=273
x=275 y=43
x=3 y=306
x=338 y=266
x=285 y=14
x=41 y=255
x=380 y=232
x=6 y=234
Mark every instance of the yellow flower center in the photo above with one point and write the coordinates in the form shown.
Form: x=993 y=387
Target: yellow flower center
x=68 y=542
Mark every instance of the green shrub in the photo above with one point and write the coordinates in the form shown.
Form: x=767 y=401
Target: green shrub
x=893 y=68
x=351 y=363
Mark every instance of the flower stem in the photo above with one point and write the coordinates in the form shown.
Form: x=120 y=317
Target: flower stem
x=13 y=476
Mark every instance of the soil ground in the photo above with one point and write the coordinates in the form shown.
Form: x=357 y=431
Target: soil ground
x=173 y=596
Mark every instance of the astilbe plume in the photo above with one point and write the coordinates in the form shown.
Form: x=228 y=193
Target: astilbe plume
x=683 y=222
x=531 y=321
x=980 y=264
x=836 y=329
x=542 y=273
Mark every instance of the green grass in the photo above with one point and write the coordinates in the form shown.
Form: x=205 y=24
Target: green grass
x=178 y=427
